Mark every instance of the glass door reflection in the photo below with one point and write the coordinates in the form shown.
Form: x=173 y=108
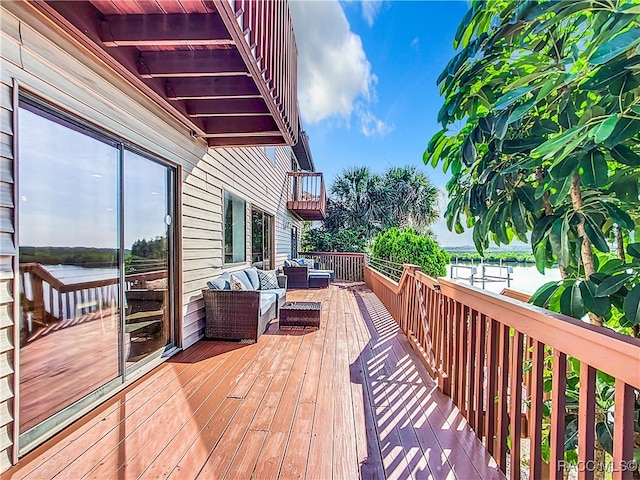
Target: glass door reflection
x=147 y=236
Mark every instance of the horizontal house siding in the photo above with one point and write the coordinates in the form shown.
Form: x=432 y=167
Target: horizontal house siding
x=248 y=173
x=7 y=254
x=49 y=64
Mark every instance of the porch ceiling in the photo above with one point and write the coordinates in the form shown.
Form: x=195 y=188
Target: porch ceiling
x=222 y=70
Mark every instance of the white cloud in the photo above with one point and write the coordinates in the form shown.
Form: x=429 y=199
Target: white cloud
x=415 y=42
x=334 y=74
x=370 y=9
x=370 y=125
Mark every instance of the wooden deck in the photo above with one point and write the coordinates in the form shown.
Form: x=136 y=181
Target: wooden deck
x=348 y=400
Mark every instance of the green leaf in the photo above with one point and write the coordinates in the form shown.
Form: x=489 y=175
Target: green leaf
x=526 y=194
x=625 y=128
x=595 y=235
x=540 y=229
x=619 y=216
x=604 y=434
x=616 y=46
x=540 y=255
x=565 y=168
x=593 y=169
x=603 y=130
x=512 y=97
x=551 y=146
x=631 y=305
x=559 y=191
x=518 y=213
x=611 y=285
x=543 y=294
x=559 y=240
x=625 y=155
x=633 y=249
x=469 y=152
x=571 y=302
x=521 y=110
x=596 y=305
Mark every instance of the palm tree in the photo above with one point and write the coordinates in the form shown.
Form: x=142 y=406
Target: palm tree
x=412 y=200
x=370 y=203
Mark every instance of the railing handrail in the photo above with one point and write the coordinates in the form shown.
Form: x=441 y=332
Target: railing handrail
x=573 y=337
x=305 y=174
x=335 y=254
x=476 y=344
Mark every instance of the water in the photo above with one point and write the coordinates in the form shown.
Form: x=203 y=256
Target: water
x=525 y=278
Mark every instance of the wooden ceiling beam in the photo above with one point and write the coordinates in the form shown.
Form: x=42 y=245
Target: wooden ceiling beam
x=229 y=126
x=191 y=63
x=211 y=88
x=164 y=30
x=247 y=141
x=227 y=106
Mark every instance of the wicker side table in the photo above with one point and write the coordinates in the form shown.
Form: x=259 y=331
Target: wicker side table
x=300 y=314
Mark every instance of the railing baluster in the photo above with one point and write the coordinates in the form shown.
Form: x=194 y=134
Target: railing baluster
x=535 y=416
x=503 y=396
x=462 y=374
x=515 y=409
x=586 y=420
x=623 y=431
x=479 y=375
x=492 y=380
x=473 y=333
x=559 y=385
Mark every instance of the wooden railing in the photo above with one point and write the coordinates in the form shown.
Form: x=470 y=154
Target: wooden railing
x=476 y=344
x=52 y=300
x=307 y=195
x=347 y=266
x=269 y=36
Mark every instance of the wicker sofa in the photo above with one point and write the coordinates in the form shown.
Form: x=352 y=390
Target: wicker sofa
x=300 y=271
x=240 y=314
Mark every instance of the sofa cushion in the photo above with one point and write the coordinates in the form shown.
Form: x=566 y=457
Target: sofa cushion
x=280 y=292
x=290 y=263
x=252 y=275
x=236 y=283
x=268 y=279
x=220 y=283
x=266 y=300
x=305 y=261
x=242 y=276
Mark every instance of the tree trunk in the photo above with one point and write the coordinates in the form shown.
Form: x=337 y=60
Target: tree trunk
x=586 y=253
x=548 y=208
x=620 y=243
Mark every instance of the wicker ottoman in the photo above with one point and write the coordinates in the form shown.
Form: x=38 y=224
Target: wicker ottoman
x=319 y=280
x=300 y=314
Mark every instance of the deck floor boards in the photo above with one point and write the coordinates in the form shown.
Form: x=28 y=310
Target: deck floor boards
x=348 y=400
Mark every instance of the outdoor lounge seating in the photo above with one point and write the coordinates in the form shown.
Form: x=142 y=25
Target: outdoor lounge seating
x=241 y=314
x=301 y=273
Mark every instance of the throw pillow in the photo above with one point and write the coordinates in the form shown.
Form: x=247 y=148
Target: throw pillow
x=236 y=284
x=268 y=279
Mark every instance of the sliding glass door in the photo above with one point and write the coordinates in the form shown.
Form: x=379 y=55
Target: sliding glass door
x=147 y=233
x=95 y=252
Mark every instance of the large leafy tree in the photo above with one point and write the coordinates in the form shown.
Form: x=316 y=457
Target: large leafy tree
x=541 y=123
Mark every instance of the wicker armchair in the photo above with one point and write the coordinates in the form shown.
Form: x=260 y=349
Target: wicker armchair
x=297 y=277
x=235 y=315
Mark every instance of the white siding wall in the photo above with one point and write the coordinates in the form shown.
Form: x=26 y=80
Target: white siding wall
x=47 y=63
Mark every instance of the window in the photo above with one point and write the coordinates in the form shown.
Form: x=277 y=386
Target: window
x=270 y=152
x=261 y=228
x=235 y=231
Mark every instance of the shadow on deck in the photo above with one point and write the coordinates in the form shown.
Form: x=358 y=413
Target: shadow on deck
x=349 y=399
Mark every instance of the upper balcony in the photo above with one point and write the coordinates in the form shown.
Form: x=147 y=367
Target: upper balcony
x=307 y=195
x=226 y=69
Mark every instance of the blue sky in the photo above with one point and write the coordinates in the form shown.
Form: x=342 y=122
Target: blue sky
x=367 y=83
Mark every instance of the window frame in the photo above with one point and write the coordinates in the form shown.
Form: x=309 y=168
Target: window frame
x=224 y=229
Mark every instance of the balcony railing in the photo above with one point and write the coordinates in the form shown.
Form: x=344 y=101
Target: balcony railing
x=227 y=69
x=307 y=195
x=489 y=353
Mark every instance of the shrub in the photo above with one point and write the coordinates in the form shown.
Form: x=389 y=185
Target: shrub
x=406 y=246
x=345 y=240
